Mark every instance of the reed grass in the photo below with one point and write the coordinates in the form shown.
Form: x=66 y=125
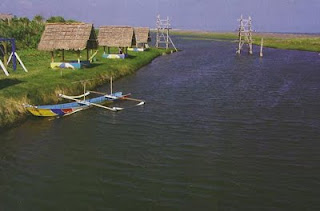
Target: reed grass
x=41 y=84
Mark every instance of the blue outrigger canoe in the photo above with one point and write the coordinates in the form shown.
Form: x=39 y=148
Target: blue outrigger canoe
x=78 y=105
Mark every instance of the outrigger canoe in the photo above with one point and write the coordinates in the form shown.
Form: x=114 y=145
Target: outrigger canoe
x=73 y=107
x=80 y=103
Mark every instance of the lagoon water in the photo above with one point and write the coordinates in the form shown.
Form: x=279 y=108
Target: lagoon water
x=218 y=132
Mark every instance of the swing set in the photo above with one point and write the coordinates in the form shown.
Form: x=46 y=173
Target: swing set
x=13 y=56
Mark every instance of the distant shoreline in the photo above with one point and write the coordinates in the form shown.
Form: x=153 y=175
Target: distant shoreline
x=289 y=41
x=291 y=34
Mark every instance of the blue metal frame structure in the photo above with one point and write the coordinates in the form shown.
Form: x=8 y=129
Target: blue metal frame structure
x=13 y=50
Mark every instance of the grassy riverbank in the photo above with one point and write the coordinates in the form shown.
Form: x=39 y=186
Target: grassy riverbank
x=41 y=84
x=303 y=42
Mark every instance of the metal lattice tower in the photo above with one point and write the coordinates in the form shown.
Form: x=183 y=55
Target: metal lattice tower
x=245 y=34
x=163 y=29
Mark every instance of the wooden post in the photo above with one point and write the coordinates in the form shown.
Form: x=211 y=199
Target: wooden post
x=20 y=61
x=84 y=91
x=167 y=41
x=239 y=46
x=87 y=54
x=250 y=36
x=4 y=68
x=158 y=31
x=157 y=43
x=110 y=85
x=261 y=47
x=79 y=56
x=104 y=49
x=240 y=36
x=5 y=56
x=52 y=56
x=63 y=55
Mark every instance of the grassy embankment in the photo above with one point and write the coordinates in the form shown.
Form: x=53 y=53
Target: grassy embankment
x=41 y=84
x=272 y=40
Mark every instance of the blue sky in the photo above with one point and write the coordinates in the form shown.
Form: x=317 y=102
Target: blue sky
x=210 y=15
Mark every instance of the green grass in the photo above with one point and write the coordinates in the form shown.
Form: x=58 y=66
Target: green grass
x=41 y=84
x=272 y=40
x=303 y=43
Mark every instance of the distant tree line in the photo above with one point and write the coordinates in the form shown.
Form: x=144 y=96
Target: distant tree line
x=27 y=32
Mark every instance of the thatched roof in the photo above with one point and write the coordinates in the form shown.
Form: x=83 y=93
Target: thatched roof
x=68 y=36
x=6 y=16
x=116 y=36
x=142 y=34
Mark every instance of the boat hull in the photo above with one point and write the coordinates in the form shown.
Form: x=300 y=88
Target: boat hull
x=42 y=112
x=70 y=108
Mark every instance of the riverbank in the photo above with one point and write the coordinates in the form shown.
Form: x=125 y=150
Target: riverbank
x=41 y=84
x=304 y=42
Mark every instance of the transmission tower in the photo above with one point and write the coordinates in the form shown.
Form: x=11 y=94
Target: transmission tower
x=163 y=29
x=245 y=34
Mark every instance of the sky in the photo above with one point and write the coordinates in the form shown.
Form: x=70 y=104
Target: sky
x=301 y=16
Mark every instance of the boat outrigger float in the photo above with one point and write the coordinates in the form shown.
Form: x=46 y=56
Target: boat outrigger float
x=80 y=103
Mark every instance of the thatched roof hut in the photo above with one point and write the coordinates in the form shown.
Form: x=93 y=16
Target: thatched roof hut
x=6 y=16
x=142 y=34
x=68 y=36
x=116 y=36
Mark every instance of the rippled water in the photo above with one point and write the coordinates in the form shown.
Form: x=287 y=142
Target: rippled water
x=218 y=132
